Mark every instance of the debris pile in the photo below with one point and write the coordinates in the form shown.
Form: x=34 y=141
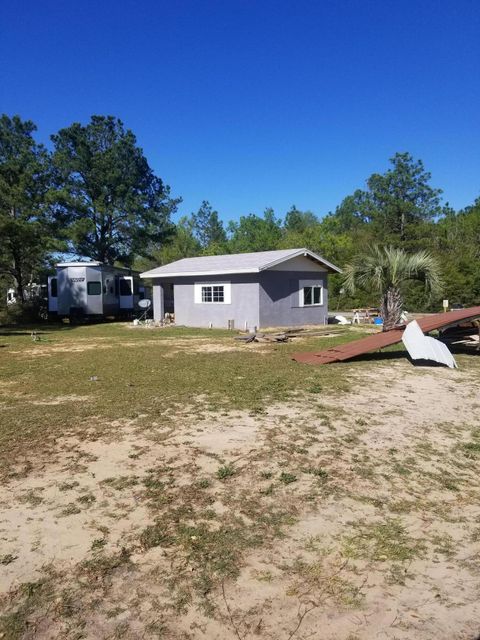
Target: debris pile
x=264 y=337
x=437 y=321
x=287 y=335
x=466 y=335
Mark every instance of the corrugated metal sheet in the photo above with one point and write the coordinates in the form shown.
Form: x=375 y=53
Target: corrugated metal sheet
x=384 y=339
x=422 y=347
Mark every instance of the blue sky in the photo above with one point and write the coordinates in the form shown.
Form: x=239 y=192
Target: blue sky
x=255 y=104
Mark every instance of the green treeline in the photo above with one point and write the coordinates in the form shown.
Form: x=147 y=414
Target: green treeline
x=92 y=194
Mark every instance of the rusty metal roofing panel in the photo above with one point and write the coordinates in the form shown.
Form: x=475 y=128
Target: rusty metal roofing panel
x=385 y=338
x=444 y=320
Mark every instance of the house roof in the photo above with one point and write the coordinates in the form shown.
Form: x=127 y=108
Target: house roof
x=234 y=263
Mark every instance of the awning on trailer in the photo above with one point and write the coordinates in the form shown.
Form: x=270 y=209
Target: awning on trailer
x=386 y=338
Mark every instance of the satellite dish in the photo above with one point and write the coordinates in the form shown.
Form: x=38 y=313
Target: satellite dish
x=145 y=303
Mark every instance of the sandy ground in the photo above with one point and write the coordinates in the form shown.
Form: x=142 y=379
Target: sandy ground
x=176 y=345
x=383 y=543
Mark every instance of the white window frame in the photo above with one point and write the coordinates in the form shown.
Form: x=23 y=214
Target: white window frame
x=302 y=295
x=227 y=292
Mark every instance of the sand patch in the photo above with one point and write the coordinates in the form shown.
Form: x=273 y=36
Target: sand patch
x=364 y=508
x=61 y=400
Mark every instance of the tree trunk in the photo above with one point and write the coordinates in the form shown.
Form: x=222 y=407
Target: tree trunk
x=19 y=289
x=391 y=308
x=18 y=275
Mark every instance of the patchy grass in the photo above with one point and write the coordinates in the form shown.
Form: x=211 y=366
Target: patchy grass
x=8 y=558
x=225 y=471
x=321 y=582
x=287 y=478
x=384 y=541
x=101 y=567
x=183 y=485
x=121 y=483
x=155 y=535
x=30 y=598
x=138 y=372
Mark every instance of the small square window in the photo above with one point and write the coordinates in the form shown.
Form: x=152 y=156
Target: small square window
x=94 y=288
x=207 y=294
x=217 y=294
x=125 y=287
x=312 y=295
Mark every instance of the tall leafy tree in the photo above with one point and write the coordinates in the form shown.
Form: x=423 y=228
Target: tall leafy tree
x=182 y=243
x=353 y=213
x=26 y=230
x=402 y=197
x=207 y=226
x=456 y=240
x=117 y=207
x=253 y=233
x=299 y=221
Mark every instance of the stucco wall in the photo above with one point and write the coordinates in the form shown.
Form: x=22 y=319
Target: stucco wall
x=280 y=298
x=268 y=299
x=242 y=309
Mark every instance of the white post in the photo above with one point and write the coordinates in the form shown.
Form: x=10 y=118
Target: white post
x=158 y=302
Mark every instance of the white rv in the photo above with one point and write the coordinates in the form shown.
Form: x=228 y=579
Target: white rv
x=93 y=290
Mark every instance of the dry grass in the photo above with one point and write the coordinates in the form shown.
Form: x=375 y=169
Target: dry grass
x=277 y=501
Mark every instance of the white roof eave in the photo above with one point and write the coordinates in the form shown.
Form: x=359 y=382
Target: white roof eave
x=197 y=274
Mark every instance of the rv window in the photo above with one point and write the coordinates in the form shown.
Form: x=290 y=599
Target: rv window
x=53 y=287
x=94 y=288
x=125 y=287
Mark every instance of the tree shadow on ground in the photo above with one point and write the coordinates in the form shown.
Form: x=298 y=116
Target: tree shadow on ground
x=26 y=329
x=386 y=356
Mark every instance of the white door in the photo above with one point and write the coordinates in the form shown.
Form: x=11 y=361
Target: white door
x=125 y=289
x=52 y=294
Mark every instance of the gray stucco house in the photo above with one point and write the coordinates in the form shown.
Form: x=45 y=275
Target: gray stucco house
x=264 y=289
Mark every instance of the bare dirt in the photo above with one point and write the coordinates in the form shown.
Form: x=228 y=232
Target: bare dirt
x=376 y=492
x=175 y=345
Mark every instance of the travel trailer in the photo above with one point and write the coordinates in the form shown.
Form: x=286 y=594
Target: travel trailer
x=94 y=290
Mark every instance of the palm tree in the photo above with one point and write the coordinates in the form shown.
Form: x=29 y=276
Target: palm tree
x=385 y=270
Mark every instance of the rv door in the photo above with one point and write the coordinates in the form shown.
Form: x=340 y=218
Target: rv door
x=52 y=294
x=125 y=285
